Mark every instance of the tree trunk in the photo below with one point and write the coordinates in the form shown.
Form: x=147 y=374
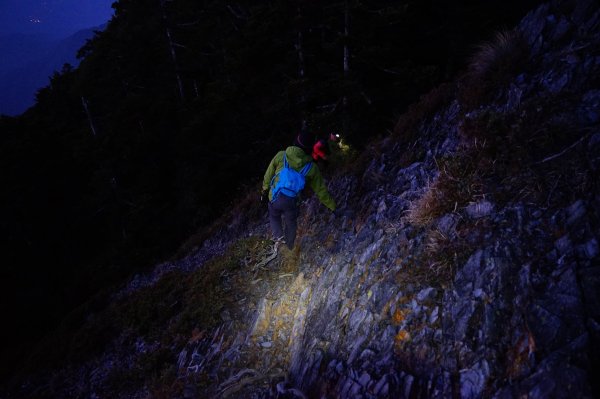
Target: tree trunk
x=196 y=88
x=345 y=122
x=89 y=115
x=300 y=56
x=172 y=50
x=346 y=34
x=301 y=69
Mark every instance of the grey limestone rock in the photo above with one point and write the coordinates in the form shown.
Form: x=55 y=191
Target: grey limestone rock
x=473 y=380
x=480 y=209
x=575 y=212
x=426 y=294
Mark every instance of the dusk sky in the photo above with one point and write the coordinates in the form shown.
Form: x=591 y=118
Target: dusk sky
x=53 y=18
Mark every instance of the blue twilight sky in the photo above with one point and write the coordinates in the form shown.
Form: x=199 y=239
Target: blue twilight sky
x=52 y=18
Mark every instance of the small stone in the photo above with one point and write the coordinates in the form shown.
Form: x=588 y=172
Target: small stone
x=473 y=381
x=382 y=207
x=346 y=387
x=591 y=248
x=367 y=354
x=377 y=390
x=426 y=294
x=575 y=212
x=339 y=368
x=480 y=209
x=563 y=244
x=594 y=142
x=408 y=381
x=267 y=344
x=356 y=388
x=446 y=224
x=514 y=98
x=552 y=256
x=364 y=379
x=225 y=316
x=433 y=317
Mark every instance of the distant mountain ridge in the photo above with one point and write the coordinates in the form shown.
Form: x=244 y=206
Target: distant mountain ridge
x=29 y=60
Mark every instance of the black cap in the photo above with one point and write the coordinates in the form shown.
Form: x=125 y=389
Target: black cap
x=305 y=140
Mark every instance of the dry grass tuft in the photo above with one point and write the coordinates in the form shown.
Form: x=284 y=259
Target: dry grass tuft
x=458 y=183
x=494 y=59
x=428 y=206
x=443 y=253
x=493 y=66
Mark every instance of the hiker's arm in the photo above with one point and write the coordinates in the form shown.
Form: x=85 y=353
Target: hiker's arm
x=269 y=174
x=318 y=186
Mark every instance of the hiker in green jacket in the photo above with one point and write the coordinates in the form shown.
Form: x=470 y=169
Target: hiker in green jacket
x=283 y=202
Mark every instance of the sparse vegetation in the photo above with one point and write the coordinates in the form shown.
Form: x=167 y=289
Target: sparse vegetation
x=460 y=180
x=496 y=59
x=167 y=314
x=492 y=67
x=509 y=155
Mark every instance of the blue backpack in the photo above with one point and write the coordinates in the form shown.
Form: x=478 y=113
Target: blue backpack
x=290 y=182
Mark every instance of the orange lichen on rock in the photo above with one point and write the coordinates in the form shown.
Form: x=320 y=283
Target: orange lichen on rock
x=520 y=356
x=402 y=337
x=399 y=316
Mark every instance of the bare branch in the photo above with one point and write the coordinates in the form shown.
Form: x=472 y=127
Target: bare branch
x=89 y=115
x=239 y=14
x=563 y=151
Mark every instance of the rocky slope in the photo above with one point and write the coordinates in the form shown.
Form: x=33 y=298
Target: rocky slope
x=466 y=262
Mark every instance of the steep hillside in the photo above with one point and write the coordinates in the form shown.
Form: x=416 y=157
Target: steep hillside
x=174 y=110
x=464 y=263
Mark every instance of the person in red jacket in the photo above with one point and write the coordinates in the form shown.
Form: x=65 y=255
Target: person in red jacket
x=321 y=149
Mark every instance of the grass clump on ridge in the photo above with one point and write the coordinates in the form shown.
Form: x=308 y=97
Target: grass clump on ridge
x=493 y=66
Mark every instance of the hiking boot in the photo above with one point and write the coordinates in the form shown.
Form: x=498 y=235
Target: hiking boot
x=278 y=242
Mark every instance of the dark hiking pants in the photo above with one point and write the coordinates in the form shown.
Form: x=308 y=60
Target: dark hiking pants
x=287 y=208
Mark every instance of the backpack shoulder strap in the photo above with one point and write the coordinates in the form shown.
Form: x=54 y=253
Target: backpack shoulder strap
x=306 y=169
